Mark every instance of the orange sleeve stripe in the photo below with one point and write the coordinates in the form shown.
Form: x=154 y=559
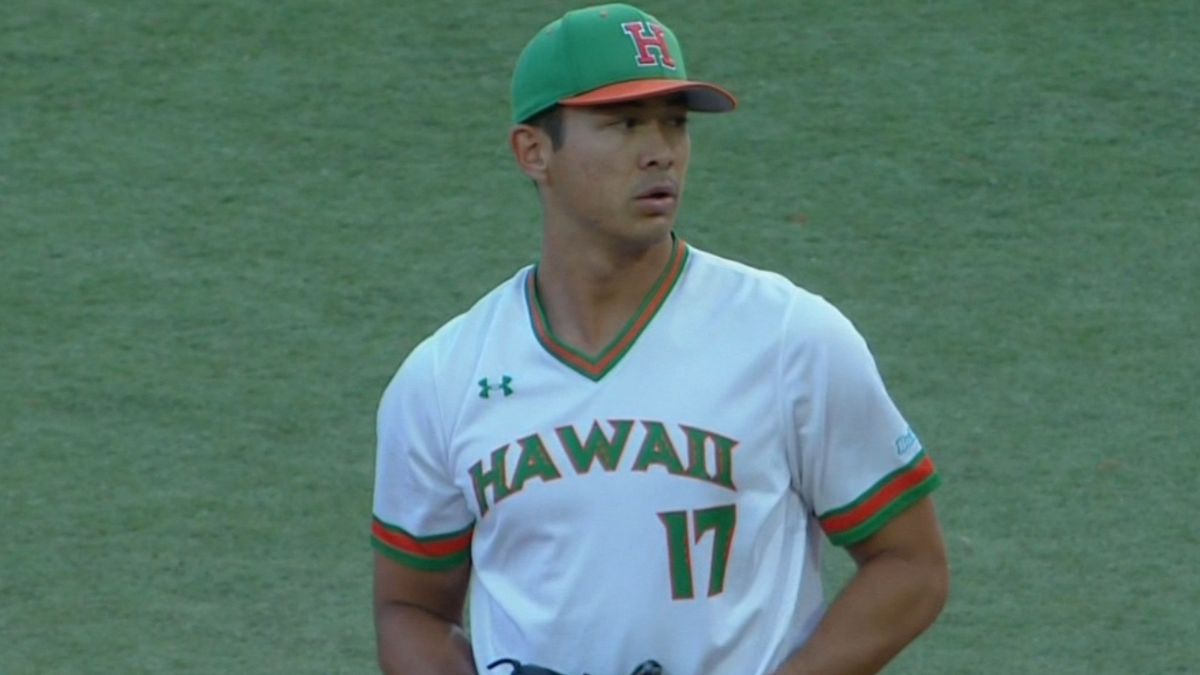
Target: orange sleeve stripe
x=882 y=497
x=431 y=547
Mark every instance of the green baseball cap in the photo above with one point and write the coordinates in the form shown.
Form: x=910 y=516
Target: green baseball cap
x=606 y=54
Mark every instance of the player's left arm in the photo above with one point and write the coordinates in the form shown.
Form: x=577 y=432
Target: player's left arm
x=899 y=588
x=867 y=478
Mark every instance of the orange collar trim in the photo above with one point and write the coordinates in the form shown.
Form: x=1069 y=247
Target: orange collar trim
x=595 y=367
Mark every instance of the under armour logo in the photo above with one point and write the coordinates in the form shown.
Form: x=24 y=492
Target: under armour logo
x=647 y=36
x=486 y=388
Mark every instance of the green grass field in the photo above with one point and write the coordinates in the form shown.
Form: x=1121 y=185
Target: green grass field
x=223 y=225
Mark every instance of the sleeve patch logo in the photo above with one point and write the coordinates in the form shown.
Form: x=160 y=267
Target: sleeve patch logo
x=906 y=444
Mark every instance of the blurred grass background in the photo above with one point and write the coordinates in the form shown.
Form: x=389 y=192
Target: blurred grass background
x=223 y=225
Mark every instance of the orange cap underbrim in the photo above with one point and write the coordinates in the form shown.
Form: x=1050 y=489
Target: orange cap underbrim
x=701 y=96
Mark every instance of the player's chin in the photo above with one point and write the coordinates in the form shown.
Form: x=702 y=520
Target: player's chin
x=643 y=231
x=656 y=227
x=655 y=218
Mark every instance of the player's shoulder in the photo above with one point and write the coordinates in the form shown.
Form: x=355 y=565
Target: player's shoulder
x=463 y=335
x=762 y=288
x=731 y=284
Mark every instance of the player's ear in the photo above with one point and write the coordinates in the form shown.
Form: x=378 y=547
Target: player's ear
x=532 y=148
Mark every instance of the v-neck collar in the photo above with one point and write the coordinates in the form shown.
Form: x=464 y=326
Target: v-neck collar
x=596 y=367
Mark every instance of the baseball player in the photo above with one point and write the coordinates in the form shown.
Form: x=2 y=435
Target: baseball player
x=632 y=451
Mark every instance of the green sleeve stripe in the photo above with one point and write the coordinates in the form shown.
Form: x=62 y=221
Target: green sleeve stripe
x=876 y=488
x=419 y=562
x=886 y=514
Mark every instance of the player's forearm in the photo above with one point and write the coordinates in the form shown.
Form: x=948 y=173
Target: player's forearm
x=886 y=605
x=411 y=641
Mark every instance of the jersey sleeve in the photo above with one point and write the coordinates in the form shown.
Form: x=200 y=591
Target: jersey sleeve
x=857 y=463
x=421 y=518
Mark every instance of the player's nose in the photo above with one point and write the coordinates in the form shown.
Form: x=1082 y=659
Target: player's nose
x=659 y=147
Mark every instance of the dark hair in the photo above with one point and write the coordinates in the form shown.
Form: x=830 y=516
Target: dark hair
x=550 y=121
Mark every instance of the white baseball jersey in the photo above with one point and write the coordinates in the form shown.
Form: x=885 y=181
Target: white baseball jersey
x=664 y=499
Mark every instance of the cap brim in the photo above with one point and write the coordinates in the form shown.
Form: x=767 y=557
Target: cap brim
x=700 y=96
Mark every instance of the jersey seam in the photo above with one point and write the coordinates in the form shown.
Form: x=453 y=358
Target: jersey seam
x=444 y=451
x=446 y=433
x=788 y=420
x=451 y=428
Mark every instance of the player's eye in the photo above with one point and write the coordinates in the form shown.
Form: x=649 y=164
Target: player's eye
x=630 y=122
x=680 y=121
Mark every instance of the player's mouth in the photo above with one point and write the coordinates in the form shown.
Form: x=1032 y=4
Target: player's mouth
x=659 y=198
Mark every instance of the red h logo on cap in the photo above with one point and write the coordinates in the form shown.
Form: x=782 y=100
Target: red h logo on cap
x=647 y=36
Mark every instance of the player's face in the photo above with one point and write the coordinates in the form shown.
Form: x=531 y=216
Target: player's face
x=621 y=167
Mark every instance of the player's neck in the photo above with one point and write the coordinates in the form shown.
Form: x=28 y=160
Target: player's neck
x=590 y=290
